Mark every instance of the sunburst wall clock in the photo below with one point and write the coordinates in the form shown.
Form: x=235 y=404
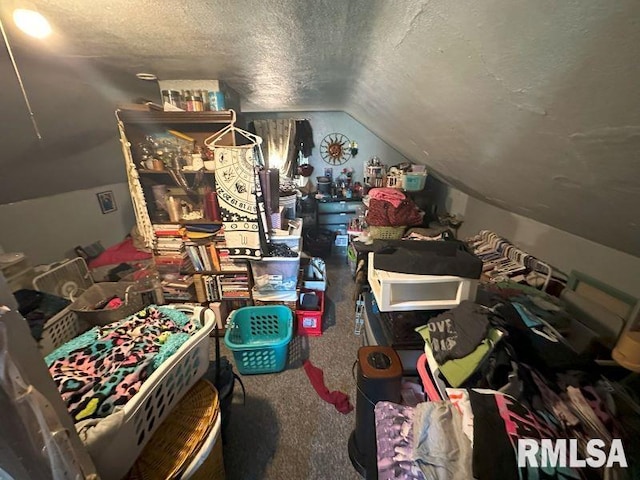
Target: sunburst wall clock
x=335 y=149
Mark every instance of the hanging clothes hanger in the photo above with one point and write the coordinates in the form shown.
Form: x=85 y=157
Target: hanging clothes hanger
x=212 y=141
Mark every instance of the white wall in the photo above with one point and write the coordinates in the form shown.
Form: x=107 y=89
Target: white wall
x=324 y=123
x=561 y=249
x=48 y=228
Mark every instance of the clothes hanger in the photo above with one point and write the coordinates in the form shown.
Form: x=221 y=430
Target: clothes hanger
x=213 y=140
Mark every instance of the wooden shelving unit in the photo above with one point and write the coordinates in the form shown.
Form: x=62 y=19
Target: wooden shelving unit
x=175 y=118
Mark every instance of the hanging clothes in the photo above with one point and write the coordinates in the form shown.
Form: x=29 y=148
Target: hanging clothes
x=304 y=138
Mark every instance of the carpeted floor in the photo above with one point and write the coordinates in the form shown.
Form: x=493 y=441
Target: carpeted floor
x=285 y=430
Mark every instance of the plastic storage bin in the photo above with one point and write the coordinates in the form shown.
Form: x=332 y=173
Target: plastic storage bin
x=402 y=291
x=318 y=242
x=414 y=181
x=259 y=338
x=291 y=237
x=288 y=204
x=275 y=273
x=310 y=321
x=59 y=329
x=98 y=293
x=342 y=240
x=288 y=298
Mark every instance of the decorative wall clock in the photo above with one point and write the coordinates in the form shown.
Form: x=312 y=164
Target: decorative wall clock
x=335 y=149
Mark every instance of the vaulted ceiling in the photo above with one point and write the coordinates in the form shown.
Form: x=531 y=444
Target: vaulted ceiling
x=530 y=106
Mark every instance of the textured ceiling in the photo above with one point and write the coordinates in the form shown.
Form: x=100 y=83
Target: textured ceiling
x=531 y=106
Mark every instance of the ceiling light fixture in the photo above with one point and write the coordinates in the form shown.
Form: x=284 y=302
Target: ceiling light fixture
x=149 y=77
x=32 y=23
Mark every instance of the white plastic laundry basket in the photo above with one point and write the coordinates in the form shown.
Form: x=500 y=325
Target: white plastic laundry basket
x=121 y=443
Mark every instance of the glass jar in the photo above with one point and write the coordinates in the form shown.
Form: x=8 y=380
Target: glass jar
x=194 y=104
x=172 y=97
x=204 y=95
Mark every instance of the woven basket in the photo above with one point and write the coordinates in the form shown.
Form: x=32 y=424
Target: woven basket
x=180 y=437
x=213 y=466
x=386 y=233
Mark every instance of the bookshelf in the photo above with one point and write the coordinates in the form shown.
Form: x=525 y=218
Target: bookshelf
x=199 y=266
x=176 y=210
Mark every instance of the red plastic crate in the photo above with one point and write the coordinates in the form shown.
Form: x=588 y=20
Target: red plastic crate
x=310 y=321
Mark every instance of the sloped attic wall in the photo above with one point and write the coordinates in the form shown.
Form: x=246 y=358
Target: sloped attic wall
x=73 y=100
x=529 y=106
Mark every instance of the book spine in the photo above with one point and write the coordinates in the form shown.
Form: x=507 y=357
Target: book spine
x=200 y=292
x=204 y=257
x=215 y=259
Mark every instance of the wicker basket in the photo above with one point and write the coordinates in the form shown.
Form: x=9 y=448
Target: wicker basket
x=386 y=233
x=182 y=437
x=156 y=399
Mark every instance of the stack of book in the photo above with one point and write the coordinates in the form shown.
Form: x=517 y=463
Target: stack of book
x=206 y=287
x=228 y=264
x=172 y=263
x=168 y=248
x=212 y=288
x=178 y=288
x=234 y=286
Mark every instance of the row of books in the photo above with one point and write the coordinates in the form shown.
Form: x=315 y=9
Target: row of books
x=211 y=288
x=209 y=257
x=180 y=253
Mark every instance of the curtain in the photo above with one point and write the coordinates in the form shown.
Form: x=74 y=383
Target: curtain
x=278 y=144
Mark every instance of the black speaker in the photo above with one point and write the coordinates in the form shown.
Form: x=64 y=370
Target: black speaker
x=379 y=378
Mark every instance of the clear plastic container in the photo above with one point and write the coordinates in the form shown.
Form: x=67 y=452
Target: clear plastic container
x=275 y=273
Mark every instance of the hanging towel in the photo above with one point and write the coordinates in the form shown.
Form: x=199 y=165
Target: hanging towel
x=236 y=188
x=339 y=399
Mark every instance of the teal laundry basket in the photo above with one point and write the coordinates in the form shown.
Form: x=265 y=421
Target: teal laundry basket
x=259 y=338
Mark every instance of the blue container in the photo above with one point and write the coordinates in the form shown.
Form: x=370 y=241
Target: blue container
x=259 y=338
x=216 y=101
x=414 y=182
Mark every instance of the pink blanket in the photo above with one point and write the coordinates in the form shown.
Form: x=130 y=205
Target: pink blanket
x=391 y=195
x=119 y=253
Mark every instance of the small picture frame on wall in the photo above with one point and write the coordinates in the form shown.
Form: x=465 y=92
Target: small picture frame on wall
x=107 y=202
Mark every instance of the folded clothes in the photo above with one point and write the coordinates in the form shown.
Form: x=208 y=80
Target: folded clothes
x=427 y=258
x=458 y=370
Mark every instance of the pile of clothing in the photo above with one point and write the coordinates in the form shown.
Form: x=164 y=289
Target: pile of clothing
x=389 y=207
x=502 y=372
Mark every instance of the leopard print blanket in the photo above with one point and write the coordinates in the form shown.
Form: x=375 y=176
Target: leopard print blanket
x=106 y=366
